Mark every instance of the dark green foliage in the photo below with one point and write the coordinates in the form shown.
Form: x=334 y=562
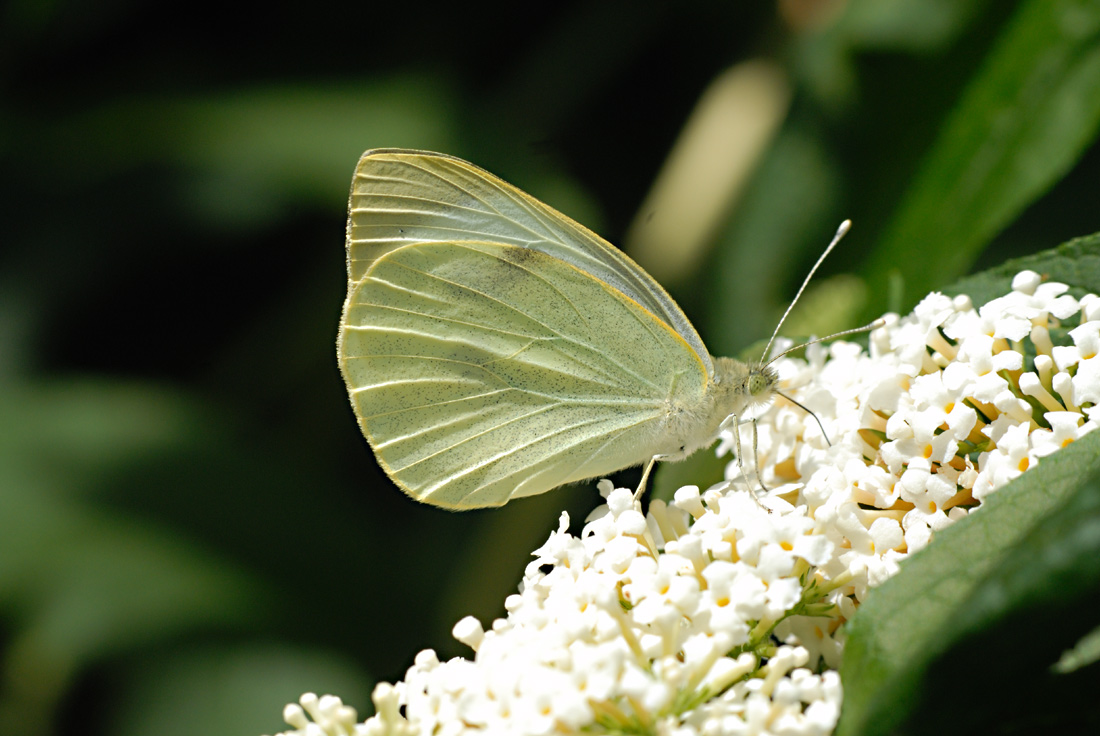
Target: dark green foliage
x=189 y=519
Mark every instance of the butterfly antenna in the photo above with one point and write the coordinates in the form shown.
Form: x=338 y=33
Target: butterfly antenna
x=840 y=233
x=806 y=409
x=880 y=322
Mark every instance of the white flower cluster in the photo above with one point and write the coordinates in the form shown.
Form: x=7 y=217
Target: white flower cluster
x=950 y=404
x=722 y=612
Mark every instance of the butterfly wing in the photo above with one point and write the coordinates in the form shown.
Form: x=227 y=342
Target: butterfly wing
x=402 y=196
x=481 y=371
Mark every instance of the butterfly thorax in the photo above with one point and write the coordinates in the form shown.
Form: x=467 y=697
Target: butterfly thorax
x=738 y=387
x=735 y=388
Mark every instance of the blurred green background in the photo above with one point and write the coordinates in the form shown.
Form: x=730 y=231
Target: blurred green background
x=192 y=530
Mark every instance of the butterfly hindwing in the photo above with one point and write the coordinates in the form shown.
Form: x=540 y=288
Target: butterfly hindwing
x=483 y=371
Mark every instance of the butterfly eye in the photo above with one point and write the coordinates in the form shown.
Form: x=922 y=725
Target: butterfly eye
x=758 y=383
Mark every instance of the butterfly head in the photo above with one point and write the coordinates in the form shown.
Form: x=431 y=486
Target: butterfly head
x=761 y=384
x=740 y=386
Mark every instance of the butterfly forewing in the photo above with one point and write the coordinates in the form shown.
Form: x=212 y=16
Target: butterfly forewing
x=485 y=371
x=400 y=197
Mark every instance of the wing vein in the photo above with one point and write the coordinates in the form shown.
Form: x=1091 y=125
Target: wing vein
x=574 y=341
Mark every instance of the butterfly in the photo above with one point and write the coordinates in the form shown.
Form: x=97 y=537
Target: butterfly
x=493 y=348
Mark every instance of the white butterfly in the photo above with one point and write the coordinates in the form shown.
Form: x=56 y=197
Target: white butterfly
x=494 y=348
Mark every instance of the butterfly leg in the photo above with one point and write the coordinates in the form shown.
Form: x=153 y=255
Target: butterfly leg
x=755 y=454
x=645 y=476
x=737 y=443
x=756 y=458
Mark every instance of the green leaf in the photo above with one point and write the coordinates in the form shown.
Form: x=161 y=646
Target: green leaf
x=1034 y=546
x=1021 y=124
x=1013 y=628
x=1076 y=263
x=1085 y=652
